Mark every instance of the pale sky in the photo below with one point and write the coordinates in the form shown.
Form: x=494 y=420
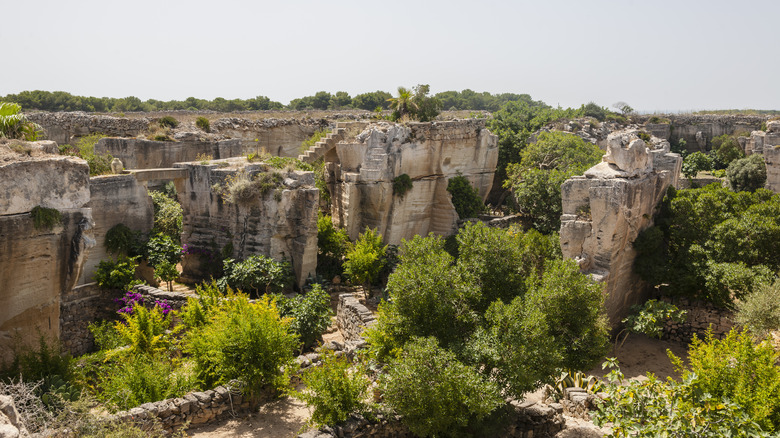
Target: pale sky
x=656 y=55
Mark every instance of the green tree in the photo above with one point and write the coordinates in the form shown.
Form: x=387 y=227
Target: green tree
x=371 y=101
x=726 y=149
x=544 y=166
x=747 y=174
x=465 y=197
x=695 y=163
x=415 y=104
x=340 y=100
x=402 y=105
x=365 y=258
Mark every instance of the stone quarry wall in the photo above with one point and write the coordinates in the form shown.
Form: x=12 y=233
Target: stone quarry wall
x=281 y=224
x=360 y=175
x=38 y=265
x=279 y=137
x=605 y=209
x=149 y=154
x=62 y=127
x=768 y=144
x=699 y=130
x=115 y=199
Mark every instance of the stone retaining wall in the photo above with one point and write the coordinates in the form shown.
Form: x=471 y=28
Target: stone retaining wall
x=700 y=316
x=78 y=308
x=196 y=408
x=176 y=300
x=62 y=127
x=352 y=317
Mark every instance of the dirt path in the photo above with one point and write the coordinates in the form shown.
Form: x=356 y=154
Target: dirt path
x=281 y=418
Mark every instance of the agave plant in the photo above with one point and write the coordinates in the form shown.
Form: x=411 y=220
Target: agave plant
x=571 y=379
x=14 y=124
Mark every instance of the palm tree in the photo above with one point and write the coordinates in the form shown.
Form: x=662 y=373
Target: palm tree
x=14 y=124
x=403 y=104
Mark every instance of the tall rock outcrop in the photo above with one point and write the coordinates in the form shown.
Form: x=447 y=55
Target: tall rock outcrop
x=281 y=223
x=39 y=263
x=605 y=209
x=362 y=168
x=767 y=143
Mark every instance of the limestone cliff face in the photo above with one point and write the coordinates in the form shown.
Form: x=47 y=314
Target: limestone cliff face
x=768 y=144
x=38 y=265
x=115 y=199
x=280 y=224
x=605 y=209
x=149 y=154
x=361 y=173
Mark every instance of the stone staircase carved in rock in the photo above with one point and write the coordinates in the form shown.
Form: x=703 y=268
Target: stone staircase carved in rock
x=330 y=141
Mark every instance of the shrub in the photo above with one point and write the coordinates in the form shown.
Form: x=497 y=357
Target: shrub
x=121 y=240
x=143 y=330
x=332 y=243
x=435 y=394
x=160 y=249
x=649 y=318
x=759 y=312
x=402 y=184
x=365 y=258
x=726 y=148
x=748 y=174
x=167 y=215
x=45 y=218
x=245 y=341
x=118 y=274
x=465 y=197
x=203 y=123
x=168 y=122
x=258 y=274
x=198 y=311
x=33 y=364
x=99 y=164
x=311 y=141
x=142 y=378
x=334 y=389
x=597 y=112
x=106 y=335
x=735 y=368
x=311 y=314
x=244 y=189
x=652 y=408
x=290 y=163
x=167 y=272
x=695 y=163
x=14 y=124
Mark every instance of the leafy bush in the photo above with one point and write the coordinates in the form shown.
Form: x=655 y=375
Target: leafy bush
x=99 y=164
x=334 y=390
x=143 y=330
x=310 y=313
x=33 y=364
x=160 y=249
x=14 y=124
x=121 y=240
x=465 y=197
x=143 y=378
x=652 y=408
x=365 y=258
x=726 y=149
x=45 y=218
x=649 y=318
x=106 y=335
x=239 y=333
x=198 y=311
x=332 y=244
x=311 y=141
x=593 y=110
x=695 y=163
x=747 y=174
x=736 y=369
x=414 y=104
x=168 y=122
x=257 y=274
x=402 y=184
x=435 y=394
x=203 y=123
x=167 y=215
x=544 y=166
x=760 y=311
x=243 y=189
x=118 y=274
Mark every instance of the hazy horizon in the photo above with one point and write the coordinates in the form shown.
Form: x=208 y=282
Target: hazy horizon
x=662 y=56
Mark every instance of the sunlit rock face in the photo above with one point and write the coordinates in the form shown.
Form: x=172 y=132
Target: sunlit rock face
x=605 y=209
x=362 y=168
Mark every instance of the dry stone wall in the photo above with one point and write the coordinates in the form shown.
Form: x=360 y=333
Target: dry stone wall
x=361 y=173
x=81 y=306
x=280 y=224
x=352 y=317
x=605 y=209
x=63 y=127
x=149 y=154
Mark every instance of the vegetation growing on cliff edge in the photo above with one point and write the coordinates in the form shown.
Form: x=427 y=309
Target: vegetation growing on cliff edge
x=414 y=104
x=44 y=218
x=84 y=148
x=465 y=197
x=14 y=124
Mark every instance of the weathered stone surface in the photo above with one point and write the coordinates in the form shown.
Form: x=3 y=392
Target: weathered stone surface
x=63 y=127
x=79 y=307
x=620 y=202
x=148 y=154
x=361 y=173
x=352 y=317
x=115 y=199
x=280 y=137
x=772 y=160
x=280 y=224
x=10 y=421
x=49 y=181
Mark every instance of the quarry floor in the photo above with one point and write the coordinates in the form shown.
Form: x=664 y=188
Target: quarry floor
x=287 y=417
